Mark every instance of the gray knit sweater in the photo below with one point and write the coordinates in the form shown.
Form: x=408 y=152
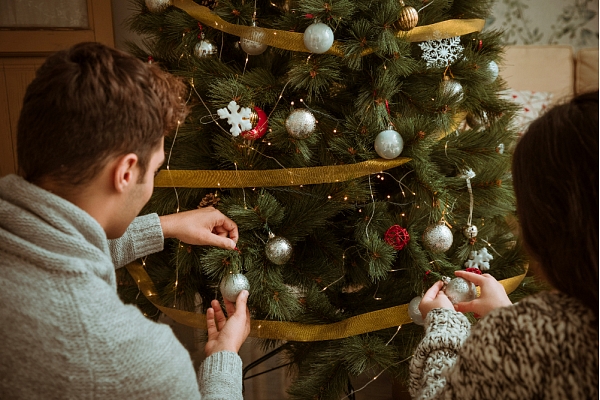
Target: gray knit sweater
x=64 y=332
x=544 y=347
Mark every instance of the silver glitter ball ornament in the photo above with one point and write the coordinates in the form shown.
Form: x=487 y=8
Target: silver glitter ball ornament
x=389 y=144
x=252 y=48
x=492 y=71
x=232 y=284
x=460 y=290
x=437 y=238
x=413 y=311
x=451 y=88
x=205 y=48
x=470 y=231
x=318 y=38
x=301 y=123
x=157 y=6
x=278 y=249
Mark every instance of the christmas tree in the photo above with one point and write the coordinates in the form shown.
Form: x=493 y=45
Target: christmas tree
x=363 y=149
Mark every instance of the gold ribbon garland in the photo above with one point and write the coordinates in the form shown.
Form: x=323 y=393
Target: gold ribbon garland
x=294 y=40
x=273 y=177
x=293 y=331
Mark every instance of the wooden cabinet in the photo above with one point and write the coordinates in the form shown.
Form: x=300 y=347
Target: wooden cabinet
x=24 y=49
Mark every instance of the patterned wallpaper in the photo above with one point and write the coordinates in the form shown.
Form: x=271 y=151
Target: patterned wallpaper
x=573 y=22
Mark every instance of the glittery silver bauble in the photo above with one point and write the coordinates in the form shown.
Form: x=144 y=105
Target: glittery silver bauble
x=253 y=48
x=459 y=290
x=408 y=17
x=157 y=6
x=278 y=249
x=470 y=231
x=413 y=311
x=451 y=88
x=389 y=144
x=437 y=238
x=232 y=285
x=205 y=48
x=476 y=121
x=492 y=71
x=318 y=38
x=301 y=123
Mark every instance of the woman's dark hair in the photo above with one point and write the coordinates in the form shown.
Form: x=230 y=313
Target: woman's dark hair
x=555 y=176
x=90 y=103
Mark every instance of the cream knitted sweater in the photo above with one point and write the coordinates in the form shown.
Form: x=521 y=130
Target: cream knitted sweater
x=64 y=332
x=544 y=347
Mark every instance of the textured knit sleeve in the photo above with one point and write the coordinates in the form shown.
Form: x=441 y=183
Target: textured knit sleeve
x=445 y=333
x=220 y=377
x=144 y=236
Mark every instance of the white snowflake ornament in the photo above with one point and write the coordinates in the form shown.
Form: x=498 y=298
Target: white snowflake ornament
x=441 y=53
x=238 y=117
x=479 y=259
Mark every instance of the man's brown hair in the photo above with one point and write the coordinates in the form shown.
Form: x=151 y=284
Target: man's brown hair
x=89 y=104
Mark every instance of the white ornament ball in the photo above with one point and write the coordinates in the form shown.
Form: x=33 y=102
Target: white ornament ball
x=232 y=284
x=492 y=69
x=318 y=38
x=437 y=238
x=452 y=88
x=301 y=123
x=389 y=144
x=205 y=48
x=157 y=6
x=460 y=290
x=470 y=231
x=413 y=311
x=253 y=48
x=278 y=250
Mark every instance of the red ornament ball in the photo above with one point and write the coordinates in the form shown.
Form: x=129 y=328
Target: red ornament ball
x=259 y=121
x=397 y=237
x=474 y=270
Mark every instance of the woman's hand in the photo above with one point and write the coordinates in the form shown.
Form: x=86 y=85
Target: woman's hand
x=492 y=295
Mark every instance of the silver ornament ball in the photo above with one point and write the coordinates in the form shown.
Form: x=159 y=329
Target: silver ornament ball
x=452 y=88
x=252 y=48
x=389 y=144
x=278 y=250
x=205 y=48
x=492 y=71
x=413 y=311
x=157 y=6
x=437 y=238
x=300 y=124
x=232 y=284
x=470 y=231
x=460 y=290
x=318 y=38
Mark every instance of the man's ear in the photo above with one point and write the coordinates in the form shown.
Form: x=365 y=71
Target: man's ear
x=126 y=172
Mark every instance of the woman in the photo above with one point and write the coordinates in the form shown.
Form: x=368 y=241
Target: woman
x=545 y=346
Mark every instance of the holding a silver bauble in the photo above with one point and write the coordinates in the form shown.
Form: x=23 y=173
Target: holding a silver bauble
x=232 y=284
x=451 y=88
x=460 y=290
x=300 y=124
x=389 y=144
x=278 y=249
x=413 y=311
x=437 y=238
x=157 y=6
x=318 y=38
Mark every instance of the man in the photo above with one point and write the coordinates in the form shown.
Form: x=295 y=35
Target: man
x=90 y=139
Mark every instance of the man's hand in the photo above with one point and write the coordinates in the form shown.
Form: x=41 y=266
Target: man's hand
x=204 y=226
x=434 y=298
x=227 y=334
x=492 y=295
